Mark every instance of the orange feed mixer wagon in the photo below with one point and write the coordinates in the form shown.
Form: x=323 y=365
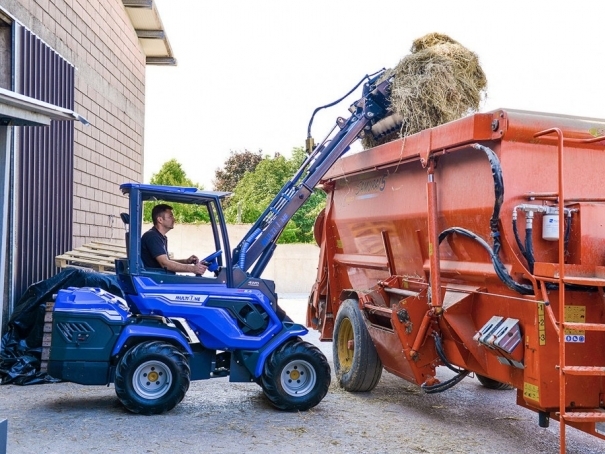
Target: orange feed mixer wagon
x=478 y=245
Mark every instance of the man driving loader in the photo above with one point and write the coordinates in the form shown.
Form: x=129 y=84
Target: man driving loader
x=154 y=245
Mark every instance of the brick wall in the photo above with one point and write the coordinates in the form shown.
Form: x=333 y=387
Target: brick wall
x=99 y=40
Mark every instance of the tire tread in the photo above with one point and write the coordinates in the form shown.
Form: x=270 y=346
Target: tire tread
x=269 y=380
x=155 y=349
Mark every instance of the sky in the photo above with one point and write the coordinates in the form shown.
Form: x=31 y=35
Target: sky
x=250 y=73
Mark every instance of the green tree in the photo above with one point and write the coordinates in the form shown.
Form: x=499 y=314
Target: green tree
x=172 y=174
x=257 y=189
x=234 y=169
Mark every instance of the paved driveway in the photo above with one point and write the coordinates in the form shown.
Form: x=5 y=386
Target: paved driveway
x=221 y=417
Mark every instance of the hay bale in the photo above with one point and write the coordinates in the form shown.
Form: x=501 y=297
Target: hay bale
x=432 y=39
x=440 y=81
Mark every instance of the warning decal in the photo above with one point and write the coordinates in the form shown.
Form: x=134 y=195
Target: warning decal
x=575 y=314
x=531 y=391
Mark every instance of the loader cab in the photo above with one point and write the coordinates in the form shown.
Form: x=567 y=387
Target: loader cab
x=207 y=204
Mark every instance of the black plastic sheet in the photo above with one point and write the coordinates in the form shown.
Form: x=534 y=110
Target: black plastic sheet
x=21 y=346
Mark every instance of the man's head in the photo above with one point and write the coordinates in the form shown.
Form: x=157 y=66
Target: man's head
x=162 y=217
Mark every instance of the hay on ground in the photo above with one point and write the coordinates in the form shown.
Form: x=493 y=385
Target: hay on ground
x=440 y=81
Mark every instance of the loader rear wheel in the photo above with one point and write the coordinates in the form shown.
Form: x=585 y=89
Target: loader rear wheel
x=356 y=361
x=492 y=384
x=152 y=378
x=296 y=376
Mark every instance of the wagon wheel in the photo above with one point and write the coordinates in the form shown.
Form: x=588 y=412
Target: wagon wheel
x=492 y=384
x=356 y=361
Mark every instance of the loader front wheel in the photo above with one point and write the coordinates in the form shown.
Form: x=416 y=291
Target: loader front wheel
x=358 y=367
x=492 y=384
x=152 y=378
x=296 y=376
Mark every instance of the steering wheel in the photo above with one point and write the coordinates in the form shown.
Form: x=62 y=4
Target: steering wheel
x=211 y=261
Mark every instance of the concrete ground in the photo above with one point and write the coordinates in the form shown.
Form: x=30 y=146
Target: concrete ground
x=221 y=417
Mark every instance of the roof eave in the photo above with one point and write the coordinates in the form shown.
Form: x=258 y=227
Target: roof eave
x=147 y=23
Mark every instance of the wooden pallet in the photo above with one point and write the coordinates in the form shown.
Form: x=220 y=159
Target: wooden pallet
x=47 y=336
x=98 y=255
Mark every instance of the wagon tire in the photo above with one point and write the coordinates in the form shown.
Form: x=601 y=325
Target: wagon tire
x=493 y=384
x=296 y=376
x=152 y=378
x=356 y=362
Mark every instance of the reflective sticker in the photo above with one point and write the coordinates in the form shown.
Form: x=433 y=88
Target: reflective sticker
x=541 y=325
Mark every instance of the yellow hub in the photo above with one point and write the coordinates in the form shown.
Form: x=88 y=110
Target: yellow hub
x=295 y=375
x=153 y=376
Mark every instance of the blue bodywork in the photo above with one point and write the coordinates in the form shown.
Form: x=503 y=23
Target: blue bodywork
x=88 y=299
x=216 y=328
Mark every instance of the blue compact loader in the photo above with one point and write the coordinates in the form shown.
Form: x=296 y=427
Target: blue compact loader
x=170 y=329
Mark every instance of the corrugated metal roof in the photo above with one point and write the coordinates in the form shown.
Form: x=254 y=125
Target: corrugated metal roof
x=147 y=23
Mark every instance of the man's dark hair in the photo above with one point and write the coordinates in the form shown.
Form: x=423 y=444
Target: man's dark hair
x=159 y=210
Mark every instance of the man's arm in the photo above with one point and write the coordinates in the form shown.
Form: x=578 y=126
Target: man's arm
x=192 y=259
x=177 y=267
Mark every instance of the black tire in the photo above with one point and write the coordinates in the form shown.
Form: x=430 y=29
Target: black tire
x=152 y=378
x=492 y=384
x=358 y=369
x=296 y=376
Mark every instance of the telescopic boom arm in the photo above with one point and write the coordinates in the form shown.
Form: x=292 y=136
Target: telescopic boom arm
x=369 y=115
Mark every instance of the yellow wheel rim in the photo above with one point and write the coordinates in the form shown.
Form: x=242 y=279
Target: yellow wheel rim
x=345 y=345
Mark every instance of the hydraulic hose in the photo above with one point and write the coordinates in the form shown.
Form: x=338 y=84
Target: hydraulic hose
x=518 y=238
x=440 y=387
x=245 y=246
x=441 y=353
x=529 y=249
x=366 y=77
x=498 y=186
x=498 y=265
x=493 y=223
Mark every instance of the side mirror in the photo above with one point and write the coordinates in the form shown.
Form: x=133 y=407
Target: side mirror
x=126 y=220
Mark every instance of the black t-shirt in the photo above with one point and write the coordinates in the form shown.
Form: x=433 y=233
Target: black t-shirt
x=153 y=244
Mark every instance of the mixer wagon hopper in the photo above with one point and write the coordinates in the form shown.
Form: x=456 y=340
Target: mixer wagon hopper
x=478 y=245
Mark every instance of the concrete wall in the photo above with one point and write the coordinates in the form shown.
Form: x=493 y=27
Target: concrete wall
x=293 y=266
x=98 y=38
